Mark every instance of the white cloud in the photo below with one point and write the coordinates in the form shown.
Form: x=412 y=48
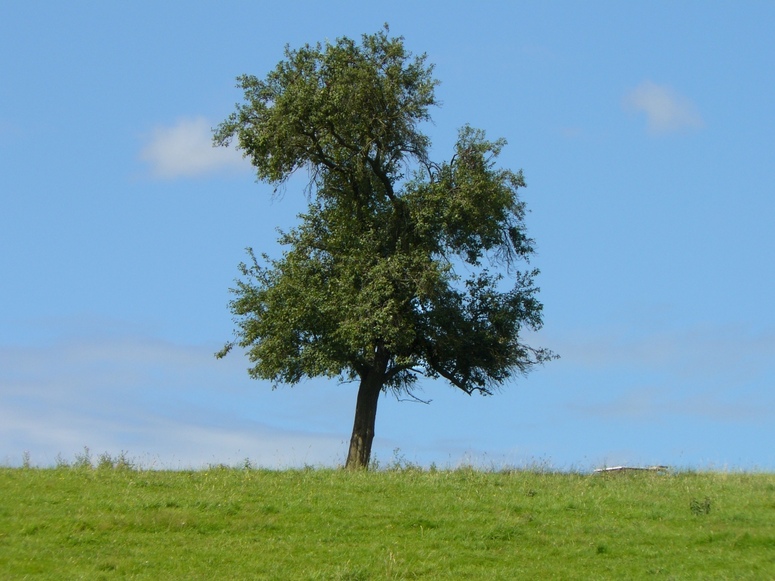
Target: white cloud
x=186 y=150
x=666 y=111
x=661 y=404
x=10 y=129
x=720 y=373
x=176 y=405
x=701 y=352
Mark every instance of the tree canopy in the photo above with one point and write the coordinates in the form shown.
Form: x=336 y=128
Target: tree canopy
x=369 y=286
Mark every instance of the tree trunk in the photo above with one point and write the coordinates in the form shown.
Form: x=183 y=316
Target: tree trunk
x=365 y=417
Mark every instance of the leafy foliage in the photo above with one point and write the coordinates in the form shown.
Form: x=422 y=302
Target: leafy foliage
x=367 y=285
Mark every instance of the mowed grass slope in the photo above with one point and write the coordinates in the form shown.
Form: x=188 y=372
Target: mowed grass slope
x=228 y=523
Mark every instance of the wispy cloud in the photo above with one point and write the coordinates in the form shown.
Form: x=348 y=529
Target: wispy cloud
x=174 y=404
x=666 y=111
x=721 y=373
x=9 y=128
x=186 y=150
x=698 y=352
x=662 y=404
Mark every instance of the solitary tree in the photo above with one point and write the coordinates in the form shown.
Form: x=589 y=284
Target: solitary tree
x=367 y=288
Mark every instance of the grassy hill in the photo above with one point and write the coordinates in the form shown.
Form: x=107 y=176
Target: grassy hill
x=114 y=521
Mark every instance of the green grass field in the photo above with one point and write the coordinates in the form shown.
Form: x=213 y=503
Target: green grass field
x=79 y=522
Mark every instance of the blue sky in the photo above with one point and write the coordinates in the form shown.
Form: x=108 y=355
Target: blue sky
x=646 y=134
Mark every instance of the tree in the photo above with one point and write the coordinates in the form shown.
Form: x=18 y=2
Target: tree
x=367 y=289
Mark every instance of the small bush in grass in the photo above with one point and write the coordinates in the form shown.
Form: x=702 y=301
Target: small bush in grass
x=699 y=507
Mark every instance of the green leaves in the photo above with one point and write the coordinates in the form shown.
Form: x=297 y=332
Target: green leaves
x=340 y=109
x=470 y=206
x=367 y=282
